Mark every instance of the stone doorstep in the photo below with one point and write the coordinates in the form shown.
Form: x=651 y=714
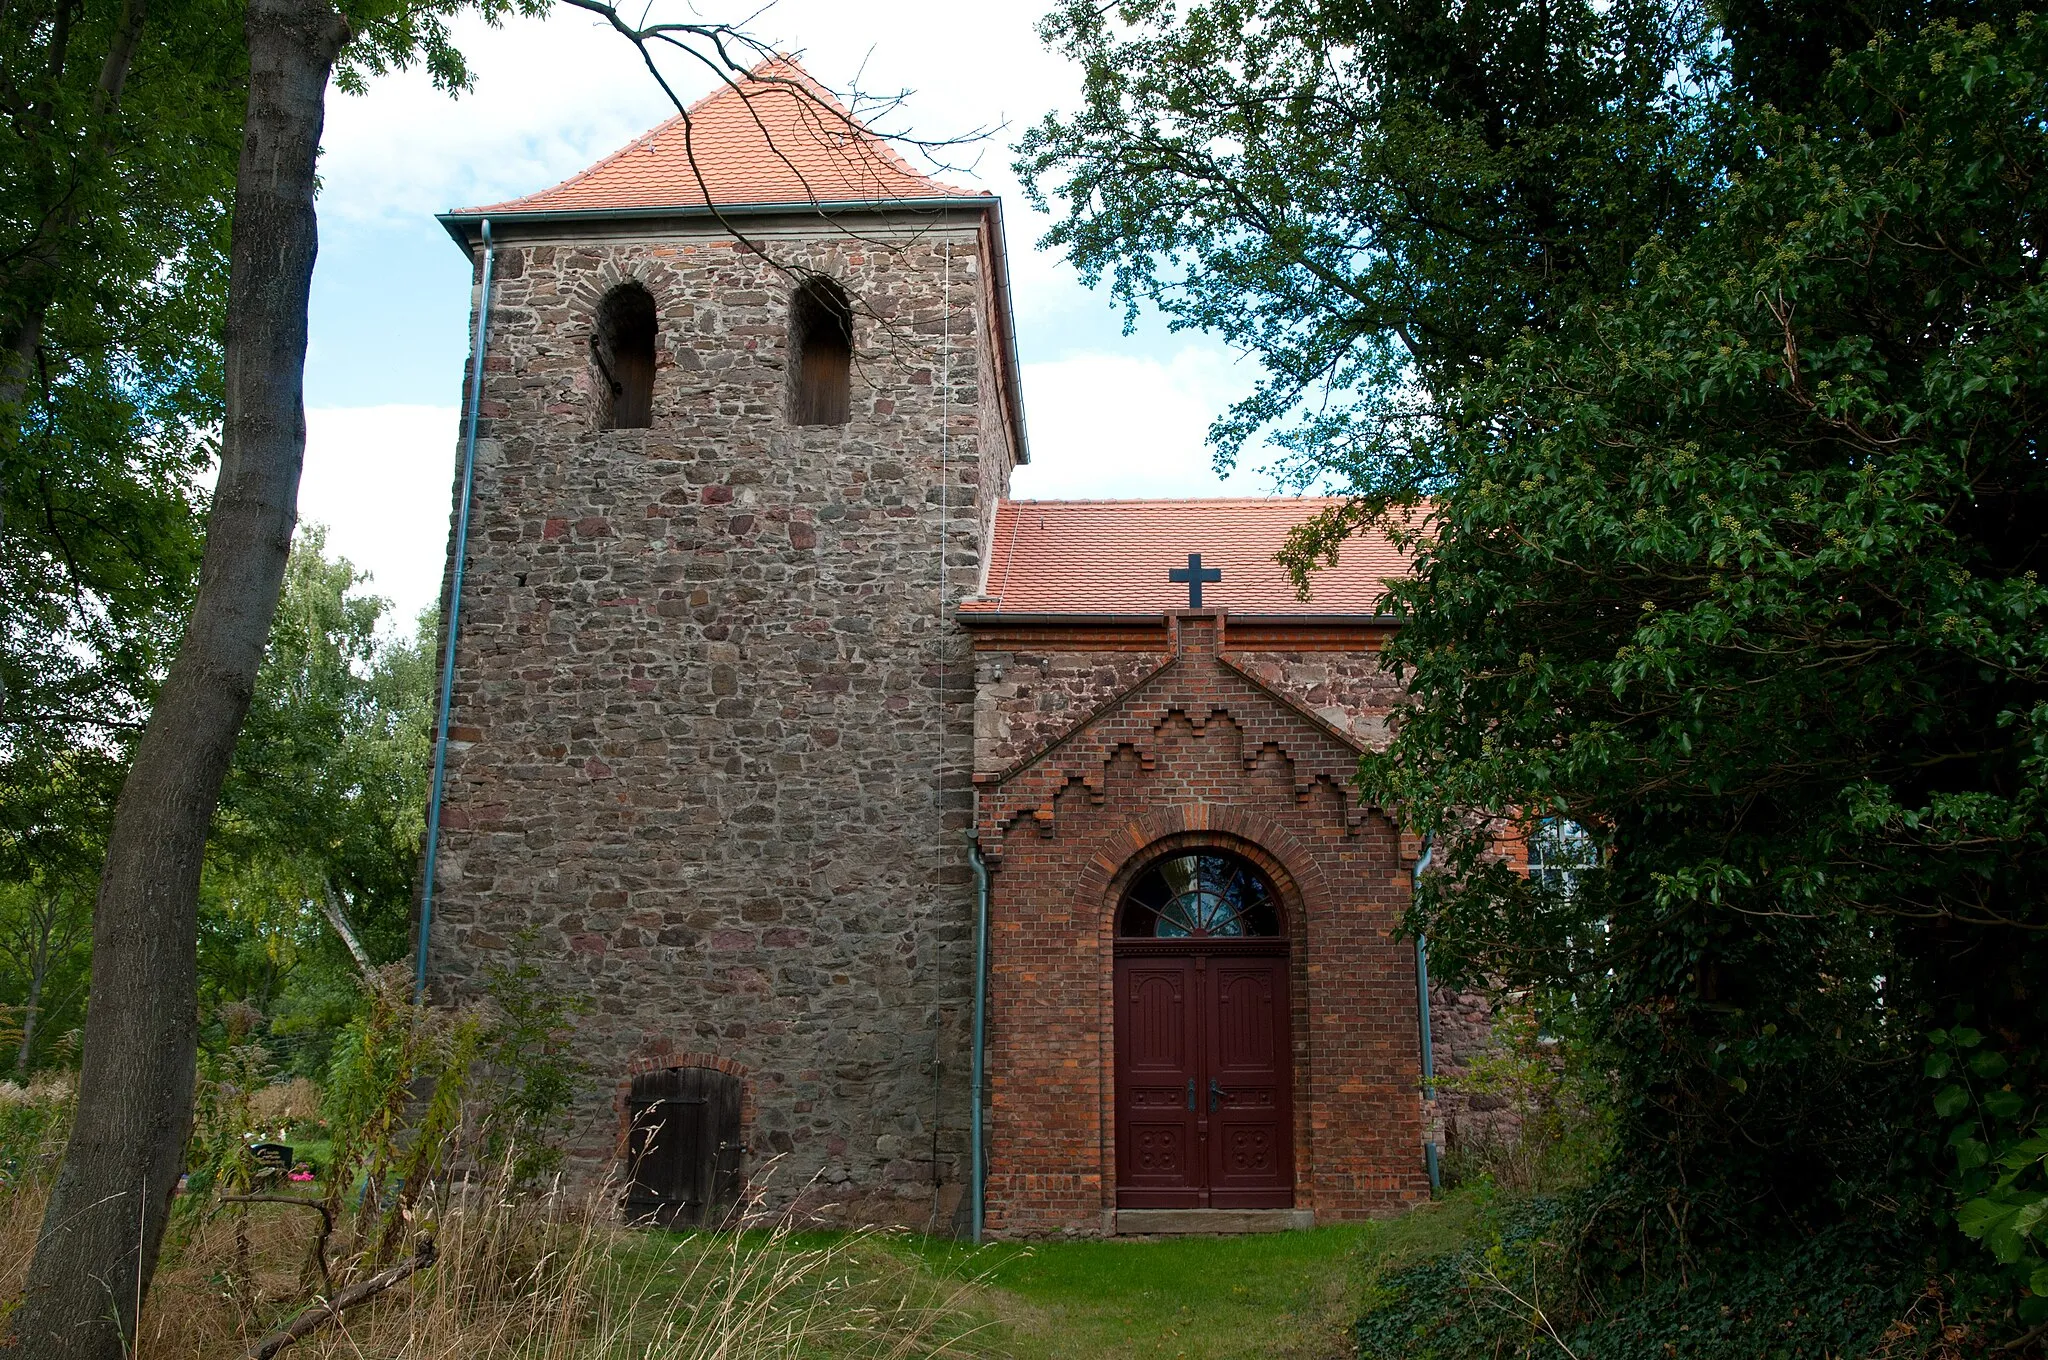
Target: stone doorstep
x=1159 y=1222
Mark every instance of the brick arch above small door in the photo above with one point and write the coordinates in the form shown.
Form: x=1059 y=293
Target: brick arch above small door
x=659 y=1058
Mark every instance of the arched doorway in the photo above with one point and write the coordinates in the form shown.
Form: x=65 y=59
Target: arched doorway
x=1204 y=1079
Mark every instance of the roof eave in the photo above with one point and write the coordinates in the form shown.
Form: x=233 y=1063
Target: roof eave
x=970 y=618
x=465 y=225
x=1012 y=370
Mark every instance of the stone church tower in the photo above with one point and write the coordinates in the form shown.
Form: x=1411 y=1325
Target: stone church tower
x=711 y=734
x=823 y=772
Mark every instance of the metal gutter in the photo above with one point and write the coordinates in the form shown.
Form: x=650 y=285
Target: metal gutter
x=454 y=623
x=456 y=224
x=1429 y=1153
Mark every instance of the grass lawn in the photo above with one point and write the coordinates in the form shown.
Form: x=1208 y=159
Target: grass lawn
x=1289 y=1295
x=1282 y=1294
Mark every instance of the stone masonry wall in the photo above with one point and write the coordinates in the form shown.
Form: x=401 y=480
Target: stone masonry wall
x=1024 y=699
x=1349 y=690
x=1029 y=695
x=712 y=725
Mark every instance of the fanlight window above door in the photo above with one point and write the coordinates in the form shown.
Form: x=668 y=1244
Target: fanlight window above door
x=1207 y=895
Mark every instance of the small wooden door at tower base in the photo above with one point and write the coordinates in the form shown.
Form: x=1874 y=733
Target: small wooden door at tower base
x=1203 y=1081
x=683 y=1149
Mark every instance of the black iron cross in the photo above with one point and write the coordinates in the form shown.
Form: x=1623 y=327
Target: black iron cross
x=1194 y=574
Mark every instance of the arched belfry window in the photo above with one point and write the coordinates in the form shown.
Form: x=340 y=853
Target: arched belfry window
x=821 y=353
x=622 y=347
x=1208 y=894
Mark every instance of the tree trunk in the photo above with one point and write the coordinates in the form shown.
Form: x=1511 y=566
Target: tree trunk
x=37 y=972
x=105 y=1221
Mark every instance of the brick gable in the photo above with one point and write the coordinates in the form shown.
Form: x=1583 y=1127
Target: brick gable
x=1196 y=752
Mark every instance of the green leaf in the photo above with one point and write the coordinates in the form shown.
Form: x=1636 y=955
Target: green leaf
x=1951 y=1100
x=2003 y=1104
x=1988 y=1063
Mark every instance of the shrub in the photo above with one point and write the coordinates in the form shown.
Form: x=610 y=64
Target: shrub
x=1544 y=1279
x=1557 y=1125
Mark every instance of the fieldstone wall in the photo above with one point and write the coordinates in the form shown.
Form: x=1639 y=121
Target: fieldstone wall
x=712 y=724
x=1349 y=690
x=1026 y=697
x=1461 y=1029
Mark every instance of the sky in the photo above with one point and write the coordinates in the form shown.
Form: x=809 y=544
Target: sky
x=1109 y=414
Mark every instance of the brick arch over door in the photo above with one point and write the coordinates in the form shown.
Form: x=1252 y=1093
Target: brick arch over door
x=661 y=1059
x=1357 y=1108
x=1304 y=892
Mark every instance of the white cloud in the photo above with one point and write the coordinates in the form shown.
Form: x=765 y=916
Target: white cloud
x=554 y=95
x=380 y=478
x=1112 y=425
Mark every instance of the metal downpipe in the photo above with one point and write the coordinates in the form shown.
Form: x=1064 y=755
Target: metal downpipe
x=977 y=1177
x=439 y=786
x=1429 y=1153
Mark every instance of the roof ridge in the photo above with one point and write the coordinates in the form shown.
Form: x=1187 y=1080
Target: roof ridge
x=863 y=157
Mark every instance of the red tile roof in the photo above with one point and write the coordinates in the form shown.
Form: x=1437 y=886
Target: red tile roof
x=1111 y=557
x=774 y=136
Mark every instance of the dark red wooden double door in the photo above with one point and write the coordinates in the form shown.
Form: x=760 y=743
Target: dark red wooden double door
x=1204 y=1086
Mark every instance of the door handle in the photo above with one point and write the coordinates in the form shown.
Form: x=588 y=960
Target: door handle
x=1216 y=1095
x=1191 y=1093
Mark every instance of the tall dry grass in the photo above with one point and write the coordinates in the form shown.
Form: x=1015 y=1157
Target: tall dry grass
x=34 y=1122
x=537 y=1278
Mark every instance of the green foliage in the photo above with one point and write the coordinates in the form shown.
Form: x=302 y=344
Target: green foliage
x=114 y=211
x=1734 y=570
x=417 y=1091
x=2000 y=1145
x=223 y=1125
x=1367 y=196
x=53 y=810
x=393 y=1100
x=532 y=1067
x=35 y=1121
x=1522 y=1288
x=325 y=804
x=1725 y=525
x=1562 y=1104
x=45 y=951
